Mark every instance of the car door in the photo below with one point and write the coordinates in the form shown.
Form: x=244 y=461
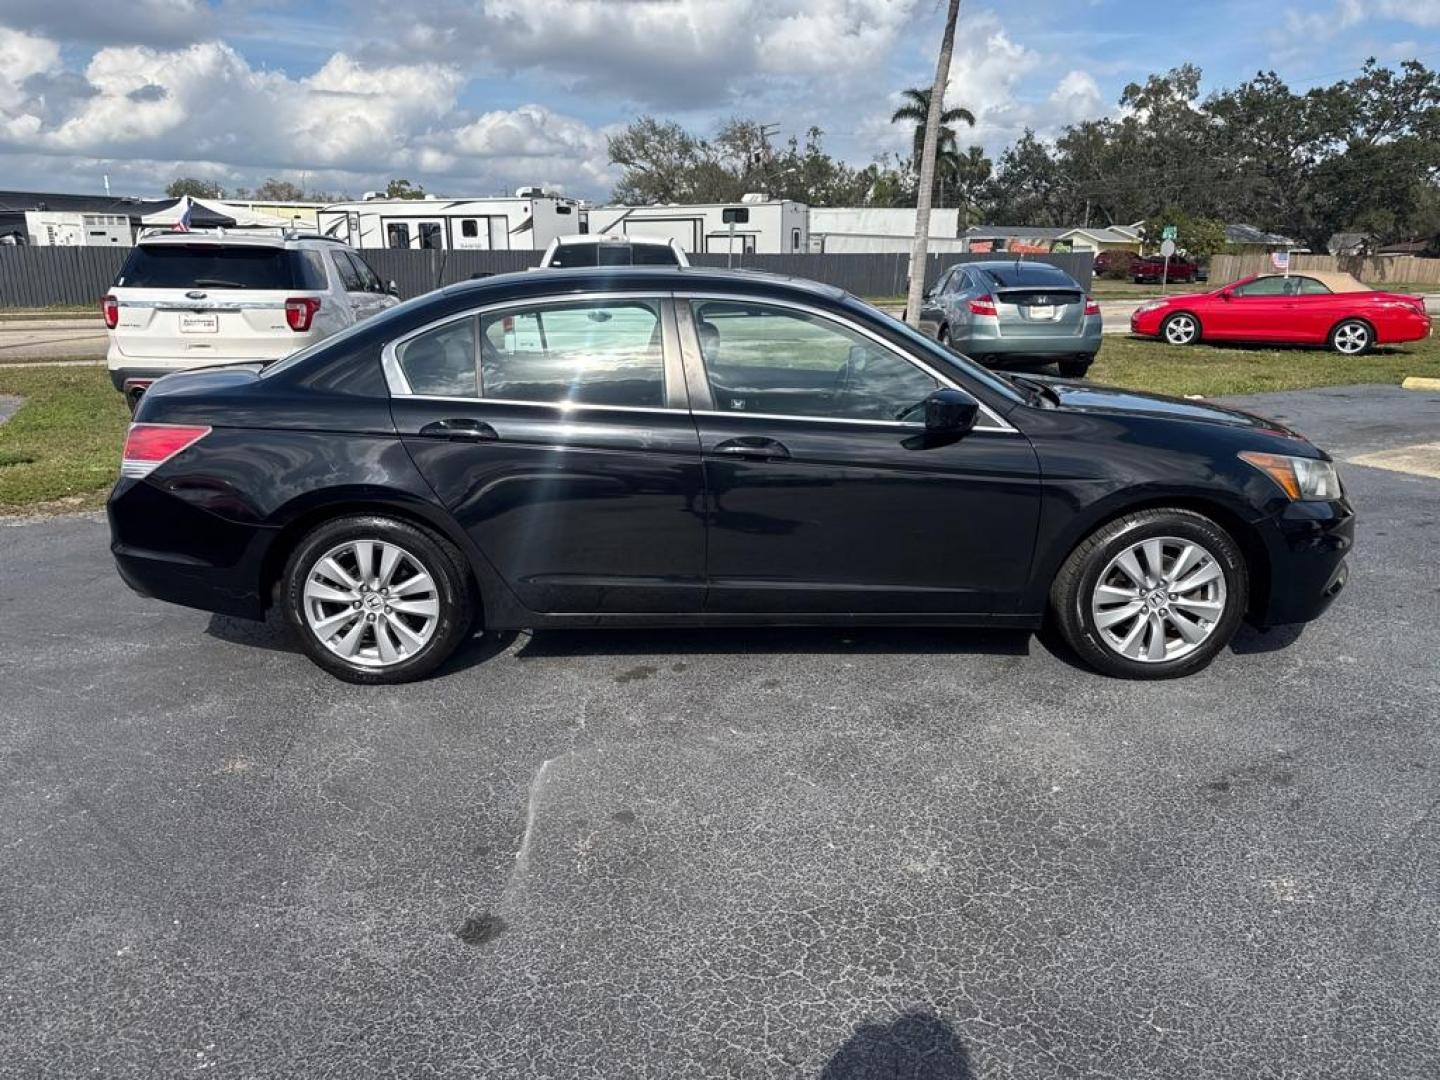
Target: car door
x=557 y=434
x=932 y=306
x=1311 y=310
x=822 y=498
x=357 y=301
x=375 y=298
x=1255 y=311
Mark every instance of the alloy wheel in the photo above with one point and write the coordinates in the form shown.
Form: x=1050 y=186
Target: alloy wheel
x=1180 y=330
x=371 y=602
x=1159 y=599
x=1351 y=338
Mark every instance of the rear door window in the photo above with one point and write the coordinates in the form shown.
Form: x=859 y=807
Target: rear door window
x=209 y=266
x=369 y=280
x=592 y=353
x=441 y=362
x=349 y=276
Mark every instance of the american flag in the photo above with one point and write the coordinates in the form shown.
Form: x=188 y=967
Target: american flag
x=1280 y=260
x=183 y=225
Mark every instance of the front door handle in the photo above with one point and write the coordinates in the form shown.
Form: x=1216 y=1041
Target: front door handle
x=460 y=430
x=753 y=446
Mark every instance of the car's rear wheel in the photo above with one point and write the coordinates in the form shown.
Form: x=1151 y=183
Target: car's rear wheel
x=1074 y=369
x=1152 y=595
x=1182 y=328
x=1352 y=337
x=377 y=600
x=943 y=337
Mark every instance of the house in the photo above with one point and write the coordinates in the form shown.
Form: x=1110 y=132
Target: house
x=1041 y=239
x=871 y=229
x=1248 y=240
x=772 y=226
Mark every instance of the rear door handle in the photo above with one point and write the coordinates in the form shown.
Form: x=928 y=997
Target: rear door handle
x=753 y=446
x=460 y=430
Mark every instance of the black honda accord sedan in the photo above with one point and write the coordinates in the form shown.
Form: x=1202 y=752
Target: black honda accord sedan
x=689 y=447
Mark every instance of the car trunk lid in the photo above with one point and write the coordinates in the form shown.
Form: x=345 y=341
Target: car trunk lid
x=1039 y=311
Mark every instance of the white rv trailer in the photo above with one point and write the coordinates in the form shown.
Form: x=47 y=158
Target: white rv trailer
x=775 y=226
x=526 y=222
x=868 y=229
x=65 y=228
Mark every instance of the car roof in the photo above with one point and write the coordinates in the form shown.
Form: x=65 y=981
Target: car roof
x=233 y=237
x=635 y=278
x=1334 y=280
x=606 y=238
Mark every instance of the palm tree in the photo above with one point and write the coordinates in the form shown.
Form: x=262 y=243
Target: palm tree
x=921 y=246
x=916 y=109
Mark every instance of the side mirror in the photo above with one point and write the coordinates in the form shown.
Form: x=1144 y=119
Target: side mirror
x=949 y=412
x=1226 y=294
x=392 y=289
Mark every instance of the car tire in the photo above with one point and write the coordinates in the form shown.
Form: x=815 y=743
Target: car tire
x=1170 y=626
x=1353 y=337
x=1182 y=328
x=943 y=337
x=1074 y=369
x=391 y=637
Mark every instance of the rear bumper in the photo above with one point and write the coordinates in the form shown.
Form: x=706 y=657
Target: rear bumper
x=170 y=549
x=983 y=340
x=1307 y=544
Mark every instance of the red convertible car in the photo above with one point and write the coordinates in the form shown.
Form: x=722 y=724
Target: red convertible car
x=1311 y=308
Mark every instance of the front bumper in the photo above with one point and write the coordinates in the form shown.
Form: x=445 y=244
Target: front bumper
x=1307 y=543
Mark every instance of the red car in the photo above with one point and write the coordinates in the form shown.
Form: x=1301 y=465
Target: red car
x=1312 y=308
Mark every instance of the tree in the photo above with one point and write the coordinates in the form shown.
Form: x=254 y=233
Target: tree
x=273 y=190
x=403 y=189
x=971 y=173
x=196 y=189
x=926 y=191
x=1197 y=237
x=916 y=110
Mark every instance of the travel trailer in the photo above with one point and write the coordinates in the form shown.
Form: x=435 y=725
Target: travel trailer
x=59 y=228
x=526 y=222
x=774 y=226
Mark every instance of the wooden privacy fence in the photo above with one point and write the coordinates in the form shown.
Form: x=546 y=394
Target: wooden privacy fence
x=51 y=276
x=1373 y=269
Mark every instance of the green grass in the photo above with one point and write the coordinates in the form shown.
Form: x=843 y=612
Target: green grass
x=1213 y=370
x=61 y=450
x=60 y=311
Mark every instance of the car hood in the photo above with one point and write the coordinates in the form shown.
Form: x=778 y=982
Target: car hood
x=1082 y=397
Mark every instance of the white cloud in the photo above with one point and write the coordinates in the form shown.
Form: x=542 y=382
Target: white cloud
x=1304 y=27
x=1076 y=97
x=147 y=22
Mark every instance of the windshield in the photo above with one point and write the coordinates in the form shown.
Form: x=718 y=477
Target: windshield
x=210 y=266
x=613 y=254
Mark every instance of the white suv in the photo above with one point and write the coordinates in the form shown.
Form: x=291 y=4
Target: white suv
x=595 y=249
x=195 y=299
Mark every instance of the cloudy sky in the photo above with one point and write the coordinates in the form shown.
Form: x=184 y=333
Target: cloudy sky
x=479 y=96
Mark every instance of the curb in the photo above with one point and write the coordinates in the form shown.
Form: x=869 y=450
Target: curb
x=1416 y=382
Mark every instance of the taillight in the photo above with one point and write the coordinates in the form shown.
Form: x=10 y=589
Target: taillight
x=110 y=308
x=148 y=446
x=1091 y=307
x=983 y=305
x=300 y=312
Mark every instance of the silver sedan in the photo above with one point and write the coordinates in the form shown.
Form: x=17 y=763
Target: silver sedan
x=1013 y=313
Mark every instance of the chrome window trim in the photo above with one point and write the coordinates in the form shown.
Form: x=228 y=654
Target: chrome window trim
x=399 y=385
x=996 y=423
x=562 y=406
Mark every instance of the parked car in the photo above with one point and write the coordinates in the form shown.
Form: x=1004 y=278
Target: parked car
x=1151 y=269
x=1115 y=263
x=1014 y=313
x=588 y=249
x=193 y=299
x=662 y=447
x=1312 y=308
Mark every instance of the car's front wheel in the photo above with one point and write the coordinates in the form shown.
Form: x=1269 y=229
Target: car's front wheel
x=1152 y=595
x=1182 y=328
x=1074 y=369
x=1352 y=338
x=377 y=600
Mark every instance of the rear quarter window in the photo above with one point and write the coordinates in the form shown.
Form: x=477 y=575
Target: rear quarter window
x=209 y=266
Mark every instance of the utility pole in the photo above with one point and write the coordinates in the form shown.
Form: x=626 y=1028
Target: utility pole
x=924 y=197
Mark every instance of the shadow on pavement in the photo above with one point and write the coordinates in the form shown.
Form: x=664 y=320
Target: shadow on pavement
x=916 y=1045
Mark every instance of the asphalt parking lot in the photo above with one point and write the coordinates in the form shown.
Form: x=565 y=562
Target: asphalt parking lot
x=836 y=855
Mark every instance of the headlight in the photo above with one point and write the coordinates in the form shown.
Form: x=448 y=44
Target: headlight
x=1302 y=478
x=1150 y=305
